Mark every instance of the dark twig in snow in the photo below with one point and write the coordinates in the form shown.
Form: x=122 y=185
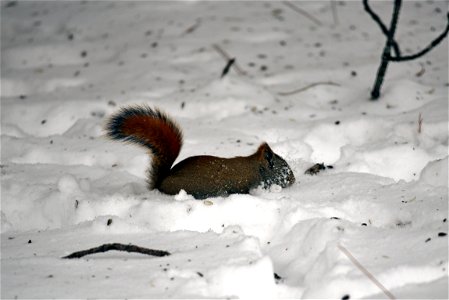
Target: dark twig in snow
x=302 y=12
x=420 y=119
x=227 y=67
x=433 y=44
x=308 y=87
x=118 y=247
x=227 y=57
x=375 y=93
x=422 y=71
x=382 y=26
x=365 y=271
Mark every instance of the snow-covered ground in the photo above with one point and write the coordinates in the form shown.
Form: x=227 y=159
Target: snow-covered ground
x=66 y=66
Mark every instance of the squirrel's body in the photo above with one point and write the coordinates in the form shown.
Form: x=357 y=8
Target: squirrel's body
x=200 y=176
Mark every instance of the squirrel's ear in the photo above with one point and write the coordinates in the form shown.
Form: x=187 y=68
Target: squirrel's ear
x=265 y=153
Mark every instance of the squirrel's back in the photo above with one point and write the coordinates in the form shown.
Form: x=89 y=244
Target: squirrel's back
x=201 y=176
x=211 y=176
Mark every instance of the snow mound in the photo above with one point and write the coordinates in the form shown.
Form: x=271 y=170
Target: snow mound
x=435 y=173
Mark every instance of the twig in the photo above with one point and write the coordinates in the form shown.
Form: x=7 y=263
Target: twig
x=118 y=247
x=433 y=44
x=386 y=53
x=391 y=43
x=227 y=67
x=302 y=12
x=308 y=87
x=193 y=27
x=420 y=119
x=422 y=71
x=382 y=26
x=227 y=57
x=334 y=11
x=365 y=271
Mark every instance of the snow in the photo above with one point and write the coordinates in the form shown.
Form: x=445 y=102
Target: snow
x=66 y=66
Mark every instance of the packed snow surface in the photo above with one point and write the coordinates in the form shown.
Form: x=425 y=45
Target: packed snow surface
x=66 y=66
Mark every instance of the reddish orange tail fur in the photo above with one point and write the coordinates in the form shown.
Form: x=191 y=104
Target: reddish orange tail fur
x=152 y=129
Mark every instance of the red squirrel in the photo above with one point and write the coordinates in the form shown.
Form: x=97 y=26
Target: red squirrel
x=200 y=176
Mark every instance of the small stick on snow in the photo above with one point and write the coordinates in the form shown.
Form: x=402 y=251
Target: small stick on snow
x=366 y=272
x=228 y=58
x=302 y=12
x=193 y=27
x=422 y=71
x=420 y=119
x=308 y=87
x=227 y=67
x=118 y=247
x=334 y=11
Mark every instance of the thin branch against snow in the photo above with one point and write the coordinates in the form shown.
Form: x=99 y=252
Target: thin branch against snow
x=227 y=67
x=302 y=12
x=391 y=43
x=118 y=247
x=228 y=58
x=193 y=27
x=420 y=119
x=308 y=87
x=433 y=44
x=382 y=26
x=365 y=271
x=385 y=58
x=334 y=12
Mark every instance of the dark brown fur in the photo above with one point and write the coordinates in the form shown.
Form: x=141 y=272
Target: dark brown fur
x=201 y=176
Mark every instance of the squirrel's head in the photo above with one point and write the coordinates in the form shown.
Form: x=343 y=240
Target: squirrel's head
x=273 y=168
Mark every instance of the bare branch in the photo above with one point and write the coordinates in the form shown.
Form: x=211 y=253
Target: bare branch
x=386 y=54
x=193 y=27
x=302 y=12
x=393 y=23
x=307 y=87
x=420 y=119
x=382 y=26
x=434 y=43
x=334 y=11
x=228 y=58
x=118 y=247
x=365 y=271
x=227 y=67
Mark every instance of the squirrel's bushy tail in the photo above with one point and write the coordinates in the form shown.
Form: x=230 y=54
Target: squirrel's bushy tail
x=152 y=129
